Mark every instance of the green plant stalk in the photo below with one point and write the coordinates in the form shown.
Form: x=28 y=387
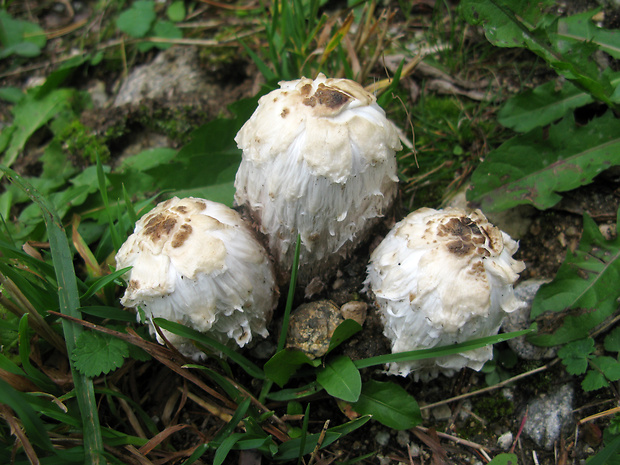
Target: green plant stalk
x=69 y=303
x=286 y=317
x=442 y=351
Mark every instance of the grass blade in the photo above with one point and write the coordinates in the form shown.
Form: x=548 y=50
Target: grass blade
x=69 y=303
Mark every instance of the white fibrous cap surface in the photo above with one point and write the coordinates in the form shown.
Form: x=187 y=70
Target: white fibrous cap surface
x=440 y=278
x=318 y=160
x=197 y=263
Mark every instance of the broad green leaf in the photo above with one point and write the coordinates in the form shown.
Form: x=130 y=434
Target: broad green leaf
x=575 y=354
x=147 y=159
x=535 y=167
x=176 y=11
x=284 y=364
x=32 y=113
x=612 y=340
x=545 y=104
x=505 y=459
x=96 y=353
x=389 y=404
x=502 y=27
x=343 y=331
x=585 y=289
x=20 y=37
x=341 y=379
x=137 y=20
x=564 y=45
x=11 y=94
x=608 y=455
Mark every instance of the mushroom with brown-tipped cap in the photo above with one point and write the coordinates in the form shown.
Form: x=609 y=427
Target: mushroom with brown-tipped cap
x=318 y=161
x=440 y=278
x=197 y=263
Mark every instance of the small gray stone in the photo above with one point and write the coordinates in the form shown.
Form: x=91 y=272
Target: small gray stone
x=505 y=440
x=549 y=415
x=173 y=72
x=520 y=319
x=442 y=412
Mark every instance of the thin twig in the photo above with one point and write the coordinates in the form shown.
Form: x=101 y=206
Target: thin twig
x=492 y=388
x=456 y=439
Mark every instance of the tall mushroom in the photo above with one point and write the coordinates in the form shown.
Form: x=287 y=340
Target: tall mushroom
x=197 y=263
x=318 y=161
x=440 y=278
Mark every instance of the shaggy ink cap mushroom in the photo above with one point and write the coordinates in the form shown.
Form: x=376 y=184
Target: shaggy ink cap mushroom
x=197 y=263
x=318 y=160
x=440 y=278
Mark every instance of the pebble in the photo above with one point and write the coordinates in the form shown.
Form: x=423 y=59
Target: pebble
x=442 y=412
x=174 y=72
x=355 y=310
x=505 y=440
x=548 y=415
x=382 y=438
x=520 y=319
x=311 y=327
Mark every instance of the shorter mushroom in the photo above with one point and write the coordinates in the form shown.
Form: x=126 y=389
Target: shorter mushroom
x=197 y=263
x=441 y=278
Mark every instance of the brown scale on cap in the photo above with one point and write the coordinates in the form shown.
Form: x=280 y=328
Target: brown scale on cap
x=466 y=237
x=325 y=96
x=180 y=237
x=160 y=226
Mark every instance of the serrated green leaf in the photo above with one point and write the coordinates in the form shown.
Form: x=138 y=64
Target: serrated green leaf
x=137 y=20
x=575 y=354
x=161 y=30
x=609 y=366
x=585 y=287
x=501 y=26
x=535 y=167
x=545 y=104
x=581 y=27
x=612 y=340
x=564 y=44
x=594 y=380
x=389 y=404
x=96 y=353
x=341 y=379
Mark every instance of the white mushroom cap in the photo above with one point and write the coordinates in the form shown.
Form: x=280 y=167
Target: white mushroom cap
x=197 y=263
x=440 y=278
x=318 y=160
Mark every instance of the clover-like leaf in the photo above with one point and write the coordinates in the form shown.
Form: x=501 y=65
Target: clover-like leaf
x=97 y=353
